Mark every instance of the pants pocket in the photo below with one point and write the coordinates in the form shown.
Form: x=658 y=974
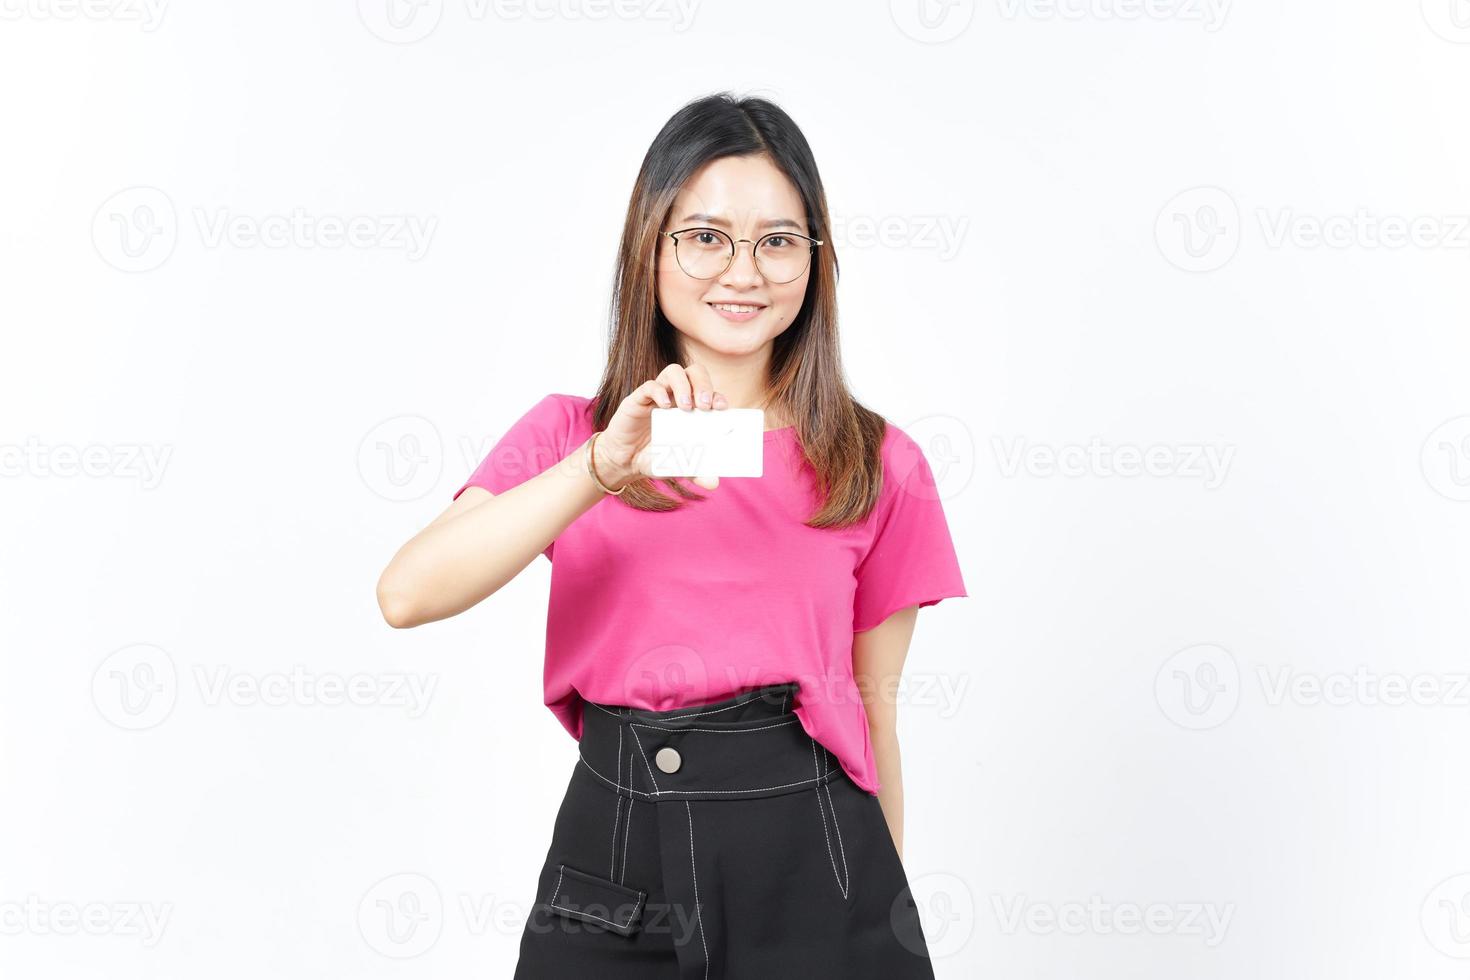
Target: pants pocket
x=599 y=901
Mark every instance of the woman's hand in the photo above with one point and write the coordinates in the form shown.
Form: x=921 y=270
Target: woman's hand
x=621 y=449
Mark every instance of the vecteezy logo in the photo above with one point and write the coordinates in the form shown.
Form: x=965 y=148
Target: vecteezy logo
x=401 y=458
x=1198 y=687
x=667 y=674
x=1445 y=459
x=1450 y=19
x=946 y=914
x=400 y=21
x=401 y=916
x=1445 y=917
x=1199 y=229
x=135 y=687
x=135 y=230
x=949 y=448
x=932 y=21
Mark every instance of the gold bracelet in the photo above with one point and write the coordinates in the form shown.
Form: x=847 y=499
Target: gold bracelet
x=591 y=468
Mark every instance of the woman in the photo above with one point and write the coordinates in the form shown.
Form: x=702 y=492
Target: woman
x=736 y=810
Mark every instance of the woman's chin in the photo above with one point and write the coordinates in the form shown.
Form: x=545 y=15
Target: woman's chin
x=727 y=338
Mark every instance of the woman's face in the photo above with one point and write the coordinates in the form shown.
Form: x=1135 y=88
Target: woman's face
x=746 y=197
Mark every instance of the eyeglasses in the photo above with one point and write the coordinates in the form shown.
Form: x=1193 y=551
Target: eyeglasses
x=705 y=253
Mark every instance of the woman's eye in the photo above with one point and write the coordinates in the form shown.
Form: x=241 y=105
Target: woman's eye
x=778 y=241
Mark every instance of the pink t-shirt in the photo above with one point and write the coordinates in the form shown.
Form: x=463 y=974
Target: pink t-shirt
x=661 y=610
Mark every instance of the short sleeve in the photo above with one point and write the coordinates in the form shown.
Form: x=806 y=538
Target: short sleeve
x=532 y=445
x=911 y=561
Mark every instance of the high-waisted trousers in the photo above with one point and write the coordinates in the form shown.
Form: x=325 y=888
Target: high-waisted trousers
x=718 y=842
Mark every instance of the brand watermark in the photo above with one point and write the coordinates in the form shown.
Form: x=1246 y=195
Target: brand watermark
x=146 y=14
x=1208 y=14
x=142 y=462
x=402 y=458
x=401 y=916
x=947 y=914
x=1201 y=686
x=1201 y=229
x=1362 y=687
x=410 y=21
x=299 y=687
x=678 y=674
x=1097 y=916
x=1449 y=19
x=1445 y=916
x=1363 y=229
x=137 y=687
x=1207 y=463
x=1444 y=459
x=1198 y=687
x=404 y=915
x=932 y=21
x=1198 y=230
x=938 y=21
x=36 y=916
x=940 y=234
x=138 y=229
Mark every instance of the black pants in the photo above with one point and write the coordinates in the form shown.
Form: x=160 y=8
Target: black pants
x=718 y=842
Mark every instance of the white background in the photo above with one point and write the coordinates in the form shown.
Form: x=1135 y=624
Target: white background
x=1174 y=227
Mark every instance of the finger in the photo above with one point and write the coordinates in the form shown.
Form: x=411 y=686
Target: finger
x=661 y=393
x=708 y=482
x=651 y=392
x=703 y=388
x=678 y=383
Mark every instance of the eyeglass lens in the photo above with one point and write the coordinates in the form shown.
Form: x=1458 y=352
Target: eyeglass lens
x=705 y=253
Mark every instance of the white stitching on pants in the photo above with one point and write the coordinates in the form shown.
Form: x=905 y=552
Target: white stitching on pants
x=612 y=860
x=688 y=792
x=715 y=731
x=627 y=825
x=743 y=700
x=826 y=833
x=712 y=711
x=846 y=874
x=561 y=868
x=754 y=696
x=695 y=872
x=645 y=761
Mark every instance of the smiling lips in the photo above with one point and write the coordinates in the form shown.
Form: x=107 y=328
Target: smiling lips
x=736 y=311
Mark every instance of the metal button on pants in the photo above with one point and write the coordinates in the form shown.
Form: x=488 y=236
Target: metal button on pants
x=718 y=842
x=667 y=759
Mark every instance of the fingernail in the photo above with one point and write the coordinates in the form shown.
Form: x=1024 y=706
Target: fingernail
x=704 y=399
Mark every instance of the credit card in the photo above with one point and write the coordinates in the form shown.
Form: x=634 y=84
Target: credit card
x=707 y=442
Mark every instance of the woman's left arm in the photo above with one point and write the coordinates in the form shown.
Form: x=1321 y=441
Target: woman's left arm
x=877 y=661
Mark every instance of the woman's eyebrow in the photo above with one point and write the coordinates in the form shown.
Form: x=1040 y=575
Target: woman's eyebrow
x=711 y=219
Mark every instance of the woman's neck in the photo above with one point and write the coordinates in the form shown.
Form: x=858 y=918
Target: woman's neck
x=743 y=380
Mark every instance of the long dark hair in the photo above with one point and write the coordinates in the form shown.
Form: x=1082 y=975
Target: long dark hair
x=841 y=439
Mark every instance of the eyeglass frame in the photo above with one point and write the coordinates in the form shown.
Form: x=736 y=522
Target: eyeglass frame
x=812 y=244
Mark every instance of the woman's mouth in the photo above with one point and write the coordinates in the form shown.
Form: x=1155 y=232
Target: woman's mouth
x=738 y=312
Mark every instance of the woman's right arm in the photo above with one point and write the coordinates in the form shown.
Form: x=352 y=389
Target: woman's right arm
x=482 y=540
